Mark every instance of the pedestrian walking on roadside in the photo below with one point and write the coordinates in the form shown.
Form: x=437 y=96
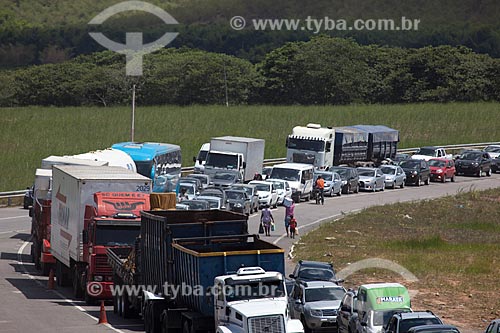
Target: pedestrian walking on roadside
x=293 y=227
x=266 y=218
x=288 y=215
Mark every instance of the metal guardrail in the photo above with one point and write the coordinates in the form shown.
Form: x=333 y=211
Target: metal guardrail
x=186 y=170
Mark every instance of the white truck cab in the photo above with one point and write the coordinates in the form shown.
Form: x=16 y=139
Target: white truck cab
x=253 y=300
x=200 y=160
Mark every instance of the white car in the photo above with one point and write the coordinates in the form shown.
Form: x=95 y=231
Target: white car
x=267 y=193
x=282 y=188
x=493 y=150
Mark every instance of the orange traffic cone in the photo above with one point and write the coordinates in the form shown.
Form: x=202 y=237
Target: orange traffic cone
x=102 y=315
x=50 y=283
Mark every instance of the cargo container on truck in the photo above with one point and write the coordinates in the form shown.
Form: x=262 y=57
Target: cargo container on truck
x=40 y=211
x=324 y=147
x=245 y=155
x=74 y=188
x=167 y=258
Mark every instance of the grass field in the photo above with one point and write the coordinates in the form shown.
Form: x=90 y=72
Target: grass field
x=449 y=244
x=29 y=134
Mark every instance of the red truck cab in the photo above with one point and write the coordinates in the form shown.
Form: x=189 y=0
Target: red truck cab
x=113 y=221
x=442 y=169
x=40 y=233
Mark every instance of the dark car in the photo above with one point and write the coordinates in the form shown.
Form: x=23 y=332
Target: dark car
x=400 y=158
x=473 y=162
x=314 y=271
x=434 y=329
x=417 y=172
x=402 y=322
x=28 y=198
x=348 y=313
x=350 y=179
x=495 y=165
x=214 y=192
x=238 y=201
x=251 y=191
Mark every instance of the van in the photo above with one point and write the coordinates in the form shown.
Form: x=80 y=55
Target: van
x=199 y=161
x=299 y=176
x=377 y=302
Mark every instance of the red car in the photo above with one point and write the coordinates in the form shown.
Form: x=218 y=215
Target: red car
x=442 y=169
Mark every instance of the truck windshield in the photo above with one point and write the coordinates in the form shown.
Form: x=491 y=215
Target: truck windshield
x=285 y=174
x=305 y=144
x=109 y=235
x=224 y=161
x=244 y=290
x=324 y=294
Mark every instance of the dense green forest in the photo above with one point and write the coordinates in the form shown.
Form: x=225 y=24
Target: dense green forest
x=52 y=31
x=321 y=71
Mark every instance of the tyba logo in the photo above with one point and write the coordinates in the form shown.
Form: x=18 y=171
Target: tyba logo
x=134 y=49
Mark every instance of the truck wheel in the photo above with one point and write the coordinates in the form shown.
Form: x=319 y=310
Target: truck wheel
x=45 y=268
x=125 y=307
x=77 y=288
x=115 y=304
x=89 y=300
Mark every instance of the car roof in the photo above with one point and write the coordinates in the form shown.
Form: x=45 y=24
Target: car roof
x=297 y=166
x=417 y=314
x=320 y=284
x=315 y=264
x=432 y=327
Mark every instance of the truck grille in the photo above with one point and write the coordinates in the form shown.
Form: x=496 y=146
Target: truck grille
x=329 y=312
x=101 y=265
x=268 y=324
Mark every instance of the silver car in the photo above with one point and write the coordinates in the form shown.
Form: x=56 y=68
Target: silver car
x=333 y=182
x=316 y=304
x=394 y=176
x=371 y=179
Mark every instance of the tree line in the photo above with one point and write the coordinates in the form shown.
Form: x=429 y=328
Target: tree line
x=324 y=70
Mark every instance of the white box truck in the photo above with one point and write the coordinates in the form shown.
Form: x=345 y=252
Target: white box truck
x=73 y=188
x=245 y=155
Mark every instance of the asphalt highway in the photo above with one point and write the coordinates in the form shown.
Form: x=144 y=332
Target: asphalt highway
x=27 y=306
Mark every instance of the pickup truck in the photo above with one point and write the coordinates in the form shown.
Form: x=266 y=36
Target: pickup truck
x=426 y=153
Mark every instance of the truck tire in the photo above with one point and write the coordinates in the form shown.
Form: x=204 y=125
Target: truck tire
x=45 y=268
x=61 y=275
x=125 y=306
x=77 y=287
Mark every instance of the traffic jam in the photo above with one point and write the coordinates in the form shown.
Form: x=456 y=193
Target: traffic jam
x=124 y=225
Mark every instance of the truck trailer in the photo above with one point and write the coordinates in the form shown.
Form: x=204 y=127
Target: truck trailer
x=356 y=145
x=245 y=155
x=188 y=266
x=92 y=209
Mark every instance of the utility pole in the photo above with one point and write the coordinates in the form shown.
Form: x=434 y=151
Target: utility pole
x=225 y=83
x=132 y=129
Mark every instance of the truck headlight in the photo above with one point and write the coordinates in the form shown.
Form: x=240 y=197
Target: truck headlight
x=98 y=278
x=316 y=313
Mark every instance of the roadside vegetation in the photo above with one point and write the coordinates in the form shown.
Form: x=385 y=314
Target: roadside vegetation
x=32 y=133
x=450 y=244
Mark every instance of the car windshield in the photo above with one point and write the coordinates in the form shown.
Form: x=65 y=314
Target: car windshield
x=189 y=188
x=342 y=172
x=202 y=155
x=219 y=160
x=491 y=149
x=426 y=151
x=316 y=274
x=409 y=323
x=235 y=195
x=196 y=205
x=410 y=164
x=388 y=170
x=285 y=174
x=224 y=176
x=278 y=185
x=326 y=176
x=263 y=187
x=324 y=294
x=366 y=173
x=380 y=318
x=471 y=156
x=437 y=163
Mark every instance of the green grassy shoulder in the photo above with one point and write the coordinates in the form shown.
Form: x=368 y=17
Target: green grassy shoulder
x=29 y=134
x=450 y=244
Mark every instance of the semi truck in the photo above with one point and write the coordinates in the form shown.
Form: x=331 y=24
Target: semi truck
x=245 y=155
x=40 y=211
x=88 y=215
x=356 y=145
x=200 y=271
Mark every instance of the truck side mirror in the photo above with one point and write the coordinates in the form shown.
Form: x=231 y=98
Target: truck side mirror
x=244 y=165
x=30 y=212
x=194 y=159
x=85 y=237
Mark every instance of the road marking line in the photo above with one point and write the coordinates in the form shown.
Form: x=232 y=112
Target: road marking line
x=13 y=217
x=20 y=261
